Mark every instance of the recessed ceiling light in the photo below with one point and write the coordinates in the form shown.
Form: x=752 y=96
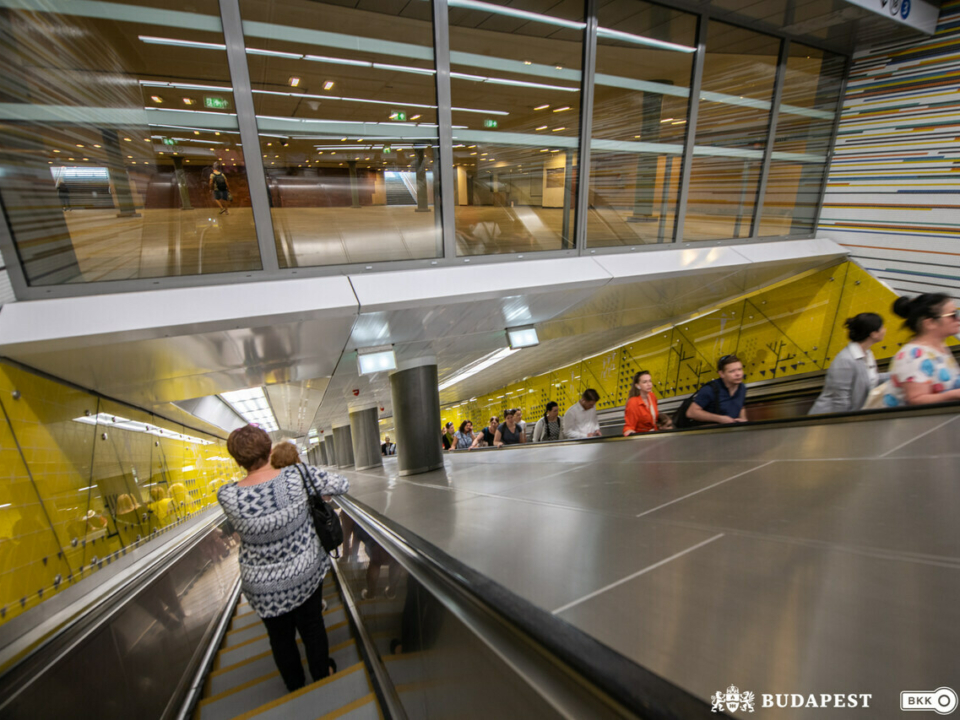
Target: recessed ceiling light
x=328 y=85
x=294 y=82
x=156 y=98
x=541 y=107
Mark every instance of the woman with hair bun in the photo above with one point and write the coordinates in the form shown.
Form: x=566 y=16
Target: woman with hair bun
x=853 y=372
x=925 y=371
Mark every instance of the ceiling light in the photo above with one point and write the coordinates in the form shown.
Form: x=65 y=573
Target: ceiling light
x=337 y=61
x=541 y=107
x=512 y=12
x=478 y=366
x=640 y=40
x=542 y=127
x=150 y=40
x=328 y=85
x=558 y=129
x=273 y=53
x=562 y=109
x=376 y=359
x=252 y=405
x=294 y=81
x=121 y=423
x=188 y=101
x=156 y=98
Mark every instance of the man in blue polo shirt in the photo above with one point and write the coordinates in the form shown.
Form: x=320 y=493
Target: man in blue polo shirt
x=722 y=401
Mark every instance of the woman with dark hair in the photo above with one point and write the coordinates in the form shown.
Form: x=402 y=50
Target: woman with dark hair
x=465 y=436
x=509 y=433
x=486 y=437
x=640 y=414
x=282 y=563
x=549 y=426
x=448 y=437
x=853 y=372
x=925 y=371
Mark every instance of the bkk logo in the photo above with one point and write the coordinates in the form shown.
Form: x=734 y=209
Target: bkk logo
x=734 y=700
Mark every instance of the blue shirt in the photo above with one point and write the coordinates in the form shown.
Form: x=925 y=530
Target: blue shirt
x=729 y=405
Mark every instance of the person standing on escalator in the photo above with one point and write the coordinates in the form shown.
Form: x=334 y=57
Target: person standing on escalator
x=221 y=191
x=853 y=372
x=282 y=563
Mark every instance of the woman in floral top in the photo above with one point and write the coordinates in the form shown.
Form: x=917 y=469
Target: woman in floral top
x=925 y=371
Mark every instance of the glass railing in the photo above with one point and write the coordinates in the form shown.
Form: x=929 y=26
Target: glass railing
x=125 y=151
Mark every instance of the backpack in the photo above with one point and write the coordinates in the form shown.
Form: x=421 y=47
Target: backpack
x=680 y=419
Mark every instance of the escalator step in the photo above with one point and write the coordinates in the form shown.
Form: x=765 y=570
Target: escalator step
x=319 y=699
x=242 y=620
x=336 y=634
x=239 y=636
x=365 y=708
x=260 y=689
x=345 y=654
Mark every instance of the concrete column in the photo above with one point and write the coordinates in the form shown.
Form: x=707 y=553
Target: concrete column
x=341 y=436
x=365 y=432
x=416 y=412
x=323 y=453
x=329 y=444
x=422 y=202
x=354 y=184
x=566 y=234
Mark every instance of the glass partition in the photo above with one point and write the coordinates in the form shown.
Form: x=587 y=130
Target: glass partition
x=640 y=100
x=808 y=107
x=346 y=107
x=734 y=119
x=85 y=479
x=113 y=117
x=515 y=85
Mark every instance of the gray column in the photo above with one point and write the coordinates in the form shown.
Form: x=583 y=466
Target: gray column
x=118 y=174
x=354 y=186
x=365 y=431
x=323 y=453
x=421 y=180
x=341 y=436
x=329 y=444
x=416 y=413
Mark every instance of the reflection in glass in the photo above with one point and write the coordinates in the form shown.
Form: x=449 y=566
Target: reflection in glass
x=515 y=87
x=348 y=128
x=810 y=100
x=109 y=143
x=734 y=117
x=639 y=123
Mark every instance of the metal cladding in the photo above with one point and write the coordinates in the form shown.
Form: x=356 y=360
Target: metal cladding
x=416 y=411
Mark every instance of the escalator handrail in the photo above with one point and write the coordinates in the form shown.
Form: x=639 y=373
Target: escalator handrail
x=29 y=656
x=628 y=686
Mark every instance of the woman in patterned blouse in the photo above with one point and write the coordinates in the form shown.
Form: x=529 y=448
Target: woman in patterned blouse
x=281 y=561
x=925 y=371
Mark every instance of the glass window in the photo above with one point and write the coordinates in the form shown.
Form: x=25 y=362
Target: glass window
x=808 y=106
x=644 y=59
x=734 y=117
x=515 y=87
x=346 y=107
x=113 y=118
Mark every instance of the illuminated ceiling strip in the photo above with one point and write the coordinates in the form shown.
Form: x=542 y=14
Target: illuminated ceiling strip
x=505 y=81
x=641 y=40
x=184 y=86
x=121 y=423
x=513 y=12
x=153 y=40
x=478 y=366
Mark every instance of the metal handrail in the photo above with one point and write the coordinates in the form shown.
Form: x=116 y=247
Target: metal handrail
x=515 y=628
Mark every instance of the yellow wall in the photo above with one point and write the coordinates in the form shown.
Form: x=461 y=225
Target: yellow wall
x=791 y=328
x=63 y=514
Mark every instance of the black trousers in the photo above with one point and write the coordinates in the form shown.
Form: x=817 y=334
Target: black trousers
x=307 y=619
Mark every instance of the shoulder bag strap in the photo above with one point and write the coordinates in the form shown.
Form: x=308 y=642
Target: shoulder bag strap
x=303 y=479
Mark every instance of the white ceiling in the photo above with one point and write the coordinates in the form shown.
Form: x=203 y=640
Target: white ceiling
x=299 y=337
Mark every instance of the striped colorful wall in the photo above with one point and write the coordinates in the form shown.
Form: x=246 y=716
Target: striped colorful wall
x=893 y=195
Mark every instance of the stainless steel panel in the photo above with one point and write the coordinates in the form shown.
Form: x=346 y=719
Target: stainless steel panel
x=416 y=407
x=365 y=433
x=779 y=617
x=342 y=439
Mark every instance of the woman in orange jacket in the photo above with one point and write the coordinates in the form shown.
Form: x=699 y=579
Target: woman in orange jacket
x=640 y=415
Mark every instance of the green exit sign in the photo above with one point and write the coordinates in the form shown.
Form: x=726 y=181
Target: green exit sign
x=216 y=103
x=489 y=123
x=169 y=141
x=398 y=115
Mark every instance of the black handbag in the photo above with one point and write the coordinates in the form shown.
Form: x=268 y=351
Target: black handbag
x=325 y=519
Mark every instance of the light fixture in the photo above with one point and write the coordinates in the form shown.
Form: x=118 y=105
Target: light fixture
x=156 y=98
x=562 y=109
x=512 y=12
x=121 y=423
x=477 y=366
x=376 y=359
x=294 y=81
x=522 y=337
x=252 y=405
x=542 y=127
x=541 y=107
x=188 y=101
x=328 y=85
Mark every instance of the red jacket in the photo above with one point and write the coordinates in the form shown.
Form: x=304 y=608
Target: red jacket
x=637 y=416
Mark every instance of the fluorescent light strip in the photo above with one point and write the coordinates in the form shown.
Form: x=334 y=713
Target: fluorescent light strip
x=151 y=40
x=274 y=53
x=184 y=86
x=405 y=68
x=121 y=423
x=640 y=40
x=512 y=12
x=505 y=81
x=480 y=365
x=337 y=61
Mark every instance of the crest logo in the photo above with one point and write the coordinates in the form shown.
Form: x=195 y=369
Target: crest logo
x=733 y=700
